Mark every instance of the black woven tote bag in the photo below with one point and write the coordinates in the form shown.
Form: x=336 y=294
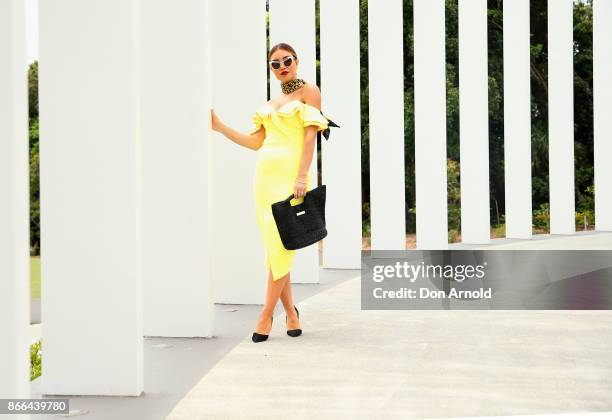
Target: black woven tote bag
x=303 y=224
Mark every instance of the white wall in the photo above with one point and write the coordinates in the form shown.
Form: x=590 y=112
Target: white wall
x=602 y=108
x=341 y=154
x=14 y=206
x=176 y=98
x=474 y=122
x=517 y=119
x=299 y=33
x=386 y=86
x=430 y=124
x=239 y=74
x=561 y=116
x=90 y=172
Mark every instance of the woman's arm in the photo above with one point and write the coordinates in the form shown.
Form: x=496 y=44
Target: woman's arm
x=251 y=141
x=310 y=141
x=311 y=96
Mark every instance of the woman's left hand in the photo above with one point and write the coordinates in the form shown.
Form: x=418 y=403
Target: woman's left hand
x=299 y=190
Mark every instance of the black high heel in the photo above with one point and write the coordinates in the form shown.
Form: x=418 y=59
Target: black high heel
x=262 y=337
x=297 y=331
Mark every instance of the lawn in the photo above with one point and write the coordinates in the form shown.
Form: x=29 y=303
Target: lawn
x=35 y=277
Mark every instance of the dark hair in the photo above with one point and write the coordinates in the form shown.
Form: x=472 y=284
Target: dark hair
x=282 y=46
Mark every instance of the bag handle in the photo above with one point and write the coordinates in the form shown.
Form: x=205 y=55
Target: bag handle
x=292 y=196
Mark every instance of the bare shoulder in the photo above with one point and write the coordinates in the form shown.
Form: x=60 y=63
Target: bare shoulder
x=311 y=90
x=312 y=95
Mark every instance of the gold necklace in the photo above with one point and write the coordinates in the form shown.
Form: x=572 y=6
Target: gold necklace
x=292 y=85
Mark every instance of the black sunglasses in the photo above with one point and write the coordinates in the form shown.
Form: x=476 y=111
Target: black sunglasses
x=287 y=61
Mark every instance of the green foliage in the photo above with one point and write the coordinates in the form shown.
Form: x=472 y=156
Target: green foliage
x=583 y=123
x=35 y=360
x=365 y=216
x=34 y=189
x=34 y=160
x=365 y=133
x=583 y=108
x=586 y=200
x=33 y=89
x=541 y=217
x=587 y=217
x=585 y=209
x=498 y=231
x=453 y=235
x=454 y=200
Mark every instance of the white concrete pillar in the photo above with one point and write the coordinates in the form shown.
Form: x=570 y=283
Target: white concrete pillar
x=239 y=89
x=517 y=119
x=90 y=162
x=293 y=22
x=386 y=97
x=474 y=122
x=430 y=124
x=178 y=298
x=14 y=205
x=561 y=116
x=341 y=91
x=602 y=109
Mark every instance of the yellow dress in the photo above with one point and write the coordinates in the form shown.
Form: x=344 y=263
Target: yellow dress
x=276 y=169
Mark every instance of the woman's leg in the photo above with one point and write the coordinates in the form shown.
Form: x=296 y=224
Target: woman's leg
x=264 y=324
x=287 y=298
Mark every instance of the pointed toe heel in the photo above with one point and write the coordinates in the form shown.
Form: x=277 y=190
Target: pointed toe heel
x=257 y=337
x=296 y=332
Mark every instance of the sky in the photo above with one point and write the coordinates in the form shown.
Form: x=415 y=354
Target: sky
x=31 y=30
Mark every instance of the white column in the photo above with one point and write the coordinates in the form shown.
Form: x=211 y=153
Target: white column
x=14 y=205
x=602 y=110
x=386 y=105
x=90 y=161
x=239 y=89
x=561 y=116
x=430 y=124
x=293 y=22
x=517 y=119
x=340 y=88
x=178 y=298
x=474 y=122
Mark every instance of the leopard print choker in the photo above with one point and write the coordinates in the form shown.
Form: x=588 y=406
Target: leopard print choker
x=292 y=85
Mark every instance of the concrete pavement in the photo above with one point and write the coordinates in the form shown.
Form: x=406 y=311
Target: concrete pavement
x=351 y=364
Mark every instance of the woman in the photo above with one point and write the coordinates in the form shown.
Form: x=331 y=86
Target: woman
x=284 y=135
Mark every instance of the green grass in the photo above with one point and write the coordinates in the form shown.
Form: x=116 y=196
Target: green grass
x=498 y=231
x=35 y=277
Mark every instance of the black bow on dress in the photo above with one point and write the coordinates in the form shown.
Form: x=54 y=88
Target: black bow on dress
x=326 y=131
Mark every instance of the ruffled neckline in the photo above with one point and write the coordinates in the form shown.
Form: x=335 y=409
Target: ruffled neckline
x=280 y=111
x=266 y=111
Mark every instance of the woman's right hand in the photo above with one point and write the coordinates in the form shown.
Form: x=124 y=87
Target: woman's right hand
x=214 y=121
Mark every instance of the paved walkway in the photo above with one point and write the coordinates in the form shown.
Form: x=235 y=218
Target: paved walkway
x=350 y=363
x=173 y=366
x=390 y=364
